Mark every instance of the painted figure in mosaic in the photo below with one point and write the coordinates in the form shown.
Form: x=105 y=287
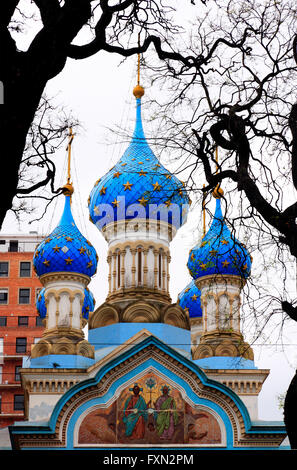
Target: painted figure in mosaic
x=135 y=414
x=166 y=416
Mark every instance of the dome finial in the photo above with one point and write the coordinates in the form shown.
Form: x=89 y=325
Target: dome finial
x=68 y=187
x=138 y=90
x=218 y=193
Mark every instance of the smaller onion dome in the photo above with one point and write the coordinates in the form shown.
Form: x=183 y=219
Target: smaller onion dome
x=89 y=304
x=65 y=249
x=40 y=304
x=190 y=299
x=219 y=252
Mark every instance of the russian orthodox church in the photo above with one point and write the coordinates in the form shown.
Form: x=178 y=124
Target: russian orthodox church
x=151 y=373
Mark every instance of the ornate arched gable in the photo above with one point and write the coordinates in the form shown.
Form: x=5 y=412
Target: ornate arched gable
x=148 y=394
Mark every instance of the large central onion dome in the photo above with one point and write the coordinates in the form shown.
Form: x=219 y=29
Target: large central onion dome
x=138 y=185
x=220 y=252
x=65 y=249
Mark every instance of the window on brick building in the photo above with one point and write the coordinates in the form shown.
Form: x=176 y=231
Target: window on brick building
x=39 y=321
x=24 y=296
x=21 y=345
x=13 y=245
x=3 y=296
x=23 y=321
x=25 y=269
x=17 y=376
x=4 y=269
x=3 y=321
x=18 y=402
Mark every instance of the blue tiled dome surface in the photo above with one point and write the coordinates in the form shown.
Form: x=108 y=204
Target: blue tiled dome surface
x=89 y=304
x=65 y=249
x=40 y=304
x=220 y=252
x=190 y=298
x=138 y=179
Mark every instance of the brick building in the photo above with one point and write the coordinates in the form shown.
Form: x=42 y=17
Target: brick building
x=20 y=324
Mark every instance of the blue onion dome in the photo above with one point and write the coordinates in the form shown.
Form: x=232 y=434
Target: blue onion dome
x=89 y=304
x=137 y=185
x=190 y=300
x=40 y=304
x=65 y=249
x=219 y=252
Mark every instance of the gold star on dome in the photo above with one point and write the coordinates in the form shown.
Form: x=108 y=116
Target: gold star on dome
x=203 y=243
x=142 y=173
x=96 y=182
x=127 y=186
x=90 y=264
x=47 y=240
x=103 y=190
x=224 y=242
x=187 y=290
x=168 y=203
x=116 y=174
x=192 y=257
x=157 y=165
x=123 y=164
x=96 y=210
x=225 y=264
x=46 y=262
x=142 y=201
x=194 y=297
x=244 y=267
x=140 y=163
x=69 y=239
x=36 y=254
x=213 y=252
x=156 y=186
x=68 y=260
x=115 y=203
x=82 y=250
x=56 y=249
x=168 y=177
x=203 y=266
x=132 y=159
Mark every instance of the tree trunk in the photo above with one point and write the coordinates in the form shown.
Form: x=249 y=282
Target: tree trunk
x=290 y=412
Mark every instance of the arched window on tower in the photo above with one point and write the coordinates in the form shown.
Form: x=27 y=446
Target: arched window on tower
x=160 y=269
x=119 y=269
x=139 y=265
